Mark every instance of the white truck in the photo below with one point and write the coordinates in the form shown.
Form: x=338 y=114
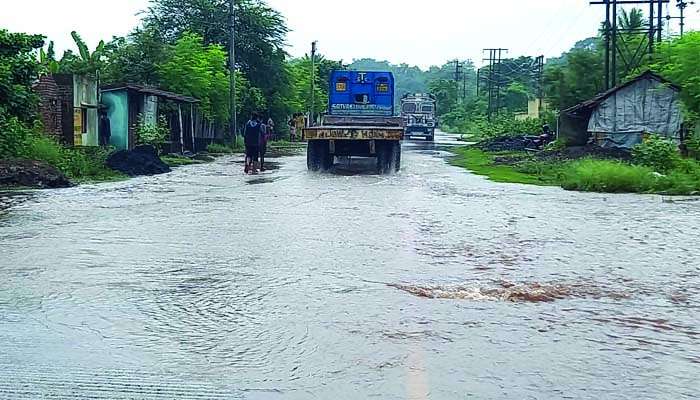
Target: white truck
x=418 y=111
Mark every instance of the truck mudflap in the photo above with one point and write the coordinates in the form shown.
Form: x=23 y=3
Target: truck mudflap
x=353 y=133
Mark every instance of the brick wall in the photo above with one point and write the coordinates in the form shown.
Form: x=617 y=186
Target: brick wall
x=50 y=106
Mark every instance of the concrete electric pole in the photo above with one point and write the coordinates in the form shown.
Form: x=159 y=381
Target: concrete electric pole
x=313 y=82
x=232 y=72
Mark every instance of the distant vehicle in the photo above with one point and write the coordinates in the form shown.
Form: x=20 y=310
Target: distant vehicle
x=418 y=112
x=360 y=122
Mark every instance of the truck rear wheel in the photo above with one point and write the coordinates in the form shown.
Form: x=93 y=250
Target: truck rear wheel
x=318 y=156
x=431 y=136
x=388 y=157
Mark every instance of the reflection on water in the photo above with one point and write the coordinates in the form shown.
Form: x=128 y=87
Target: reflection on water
x=432 y=283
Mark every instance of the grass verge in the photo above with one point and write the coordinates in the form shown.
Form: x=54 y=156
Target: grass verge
x=586 y=175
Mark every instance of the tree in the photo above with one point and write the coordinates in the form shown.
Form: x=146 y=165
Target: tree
x=260 y=33
x=85 y=62
x=199 y=71
x=18 y=71
x=579 y=78
x=300 y=73
x=677 y=60
x=632 y=20
x=136 y=58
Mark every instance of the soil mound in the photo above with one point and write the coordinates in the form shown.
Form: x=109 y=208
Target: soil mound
x=143 y=160
x=32 y=174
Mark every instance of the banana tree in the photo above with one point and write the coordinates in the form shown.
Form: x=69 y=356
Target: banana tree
x=86 y=62
x=47 y=59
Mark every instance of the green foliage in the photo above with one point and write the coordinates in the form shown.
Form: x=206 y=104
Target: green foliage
x=85 y=62
x=13 y=136
x=216 y=148
x=693 y=145
x=578 y=78
x=300 y=97
x=18 y=70
x=199 y=71
x=135 y=59
x=590 y=175
x=557 y=145
x=260 y=39
x=479 y=127
x=677 y=60
x=657 y=153
x=154 y=135
x=608 y=176
x=20 y=141
x=482 y=163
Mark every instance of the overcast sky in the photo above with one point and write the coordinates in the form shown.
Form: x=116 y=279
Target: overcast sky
x=420 y=33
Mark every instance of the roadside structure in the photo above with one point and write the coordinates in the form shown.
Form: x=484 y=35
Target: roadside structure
x=128 y=105
x=68 y=107
x=623 y=115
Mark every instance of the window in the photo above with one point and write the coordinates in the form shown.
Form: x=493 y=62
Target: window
x=409 y=108
x=382 y=85
x=427 y=108
x=84 y=120
x=341 y=85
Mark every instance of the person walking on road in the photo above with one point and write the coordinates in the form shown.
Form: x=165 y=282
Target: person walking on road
x=299 y=124
x=265 y=134
x=252 y=136
x=270 y=128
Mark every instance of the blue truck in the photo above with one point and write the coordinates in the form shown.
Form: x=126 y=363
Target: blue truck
x=360 y=122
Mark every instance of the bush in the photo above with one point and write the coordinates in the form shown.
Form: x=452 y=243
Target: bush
x=216 y=148
x=87 y=163
x=693 y=145
x=13 y=136
x=657 y=153
x=154 y=135
x=608 y=176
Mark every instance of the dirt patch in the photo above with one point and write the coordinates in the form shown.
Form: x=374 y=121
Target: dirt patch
x=31 y=174
x=511 y=292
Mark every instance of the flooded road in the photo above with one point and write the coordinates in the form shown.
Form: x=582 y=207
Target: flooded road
x=431 y=284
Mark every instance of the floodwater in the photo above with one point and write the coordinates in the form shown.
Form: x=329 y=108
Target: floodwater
x=431 y=284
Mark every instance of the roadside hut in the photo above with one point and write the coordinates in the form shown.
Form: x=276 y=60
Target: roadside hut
x=620 y=117
x=128 y=105
x=68 y=108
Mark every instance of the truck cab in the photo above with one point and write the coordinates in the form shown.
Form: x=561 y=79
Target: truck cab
x=419 y=114
x=360 y=122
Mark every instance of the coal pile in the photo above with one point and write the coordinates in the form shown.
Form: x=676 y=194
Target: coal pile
x=31 y=174
x=507 y=143
x=143 y=160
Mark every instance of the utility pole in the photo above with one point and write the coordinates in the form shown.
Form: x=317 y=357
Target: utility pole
x=478 y=81
x=313 y=82
x=681 y=5
x=494 y=82
x=233 y=122
x=617 y=44
x=459 y=72
x=539 y=65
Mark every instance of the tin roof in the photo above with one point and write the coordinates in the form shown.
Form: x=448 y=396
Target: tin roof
x=152 y=92
x=595 y=101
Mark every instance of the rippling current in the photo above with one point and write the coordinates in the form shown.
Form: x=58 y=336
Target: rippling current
x=431 y=284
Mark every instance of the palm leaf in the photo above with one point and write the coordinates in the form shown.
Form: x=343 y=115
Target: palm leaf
x=82 y=47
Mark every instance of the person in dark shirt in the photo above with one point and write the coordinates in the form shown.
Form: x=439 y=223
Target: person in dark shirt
x=104 y=130
x=253 y=137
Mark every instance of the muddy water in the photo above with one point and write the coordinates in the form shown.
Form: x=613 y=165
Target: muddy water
x=432 y=284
